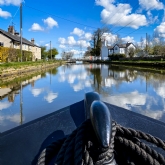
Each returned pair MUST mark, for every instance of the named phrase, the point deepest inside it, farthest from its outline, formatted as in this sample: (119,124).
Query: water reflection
(135,89)
(138,90)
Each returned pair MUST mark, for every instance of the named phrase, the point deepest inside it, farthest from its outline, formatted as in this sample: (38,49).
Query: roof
(120,46)
(17,38)
(110,47)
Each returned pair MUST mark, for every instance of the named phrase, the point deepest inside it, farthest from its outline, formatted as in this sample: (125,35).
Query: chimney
(32,40)
(11,30)
(16,33)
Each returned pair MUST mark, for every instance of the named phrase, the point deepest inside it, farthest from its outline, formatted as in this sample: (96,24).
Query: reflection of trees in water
(53,71)
(96,78)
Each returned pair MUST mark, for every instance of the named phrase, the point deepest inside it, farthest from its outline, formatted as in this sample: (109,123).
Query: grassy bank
(141,63)
(17,68)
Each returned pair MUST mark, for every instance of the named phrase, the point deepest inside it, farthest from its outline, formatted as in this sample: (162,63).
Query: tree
(43,52)
(131,52)
(54,52)
(67,55)
(96,41)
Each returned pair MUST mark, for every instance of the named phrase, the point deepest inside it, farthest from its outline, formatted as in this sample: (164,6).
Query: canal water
(135,89)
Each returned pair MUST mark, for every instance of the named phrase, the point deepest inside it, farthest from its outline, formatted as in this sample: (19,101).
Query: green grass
(16,65)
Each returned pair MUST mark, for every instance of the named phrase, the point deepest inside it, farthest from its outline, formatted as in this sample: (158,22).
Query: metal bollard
(89,98)
(102,124)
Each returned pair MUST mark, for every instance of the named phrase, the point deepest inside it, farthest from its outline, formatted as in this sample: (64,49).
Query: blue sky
(70,24)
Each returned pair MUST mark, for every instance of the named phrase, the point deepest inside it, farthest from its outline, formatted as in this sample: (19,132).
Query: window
(1,44)
(115,48)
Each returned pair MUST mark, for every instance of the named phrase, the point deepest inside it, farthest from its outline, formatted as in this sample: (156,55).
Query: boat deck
(21,145)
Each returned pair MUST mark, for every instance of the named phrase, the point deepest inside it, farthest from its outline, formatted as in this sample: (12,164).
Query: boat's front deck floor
(21,145)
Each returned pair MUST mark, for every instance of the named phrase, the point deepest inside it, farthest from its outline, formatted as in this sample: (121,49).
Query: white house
(116,49)
(11,39)
(104,50)
(121,48)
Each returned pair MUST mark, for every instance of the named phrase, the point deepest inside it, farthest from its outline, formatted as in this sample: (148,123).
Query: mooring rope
(81,147)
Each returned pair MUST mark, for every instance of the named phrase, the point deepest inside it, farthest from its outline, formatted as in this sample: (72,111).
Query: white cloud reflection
(5,105)
(127,100)
(78,87)
(160,90)
(16,118)
(50,97)
(37,91)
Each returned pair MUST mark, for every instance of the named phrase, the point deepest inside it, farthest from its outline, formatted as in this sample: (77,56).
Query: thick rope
(81,147)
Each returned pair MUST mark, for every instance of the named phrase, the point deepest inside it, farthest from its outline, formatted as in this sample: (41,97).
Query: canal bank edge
(13,73)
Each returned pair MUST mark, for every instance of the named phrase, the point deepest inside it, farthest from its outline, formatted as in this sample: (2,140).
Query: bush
(116,56)
(11,54)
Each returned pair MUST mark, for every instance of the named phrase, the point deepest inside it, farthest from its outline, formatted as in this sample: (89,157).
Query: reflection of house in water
(12,90)
(11,97)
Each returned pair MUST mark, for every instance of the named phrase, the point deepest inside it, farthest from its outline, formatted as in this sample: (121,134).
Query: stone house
(11,39)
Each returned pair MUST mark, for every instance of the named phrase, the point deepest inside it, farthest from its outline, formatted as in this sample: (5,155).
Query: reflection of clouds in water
(71,78)
(161,90)
(62,78)
(4,105)
(126,99)
(13,118)
(50,97)
(155,114)
(109,82)
(78,87)
(37,91)
(82,76)
(88,83)
(75,72)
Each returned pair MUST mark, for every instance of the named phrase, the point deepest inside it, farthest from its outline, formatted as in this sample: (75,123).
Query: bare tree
(96,40)
(67,55)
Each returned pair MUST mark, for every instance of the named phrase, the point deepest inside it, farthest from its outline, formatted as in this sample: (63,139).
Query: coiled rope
(81,147)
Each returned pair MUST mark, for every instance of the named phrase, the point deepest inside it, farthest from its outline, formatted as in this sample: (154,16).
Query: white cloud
(62,40)
(77,52)
(151,4)
(47,45)
(50,97)
(10,2)
(50,22)
(123,14)
(36,27)
(83,43)
(78,32)
(88,36)
(128,39)
(111,38)
(4,14)
(62,46)
(70,41)
(160,29)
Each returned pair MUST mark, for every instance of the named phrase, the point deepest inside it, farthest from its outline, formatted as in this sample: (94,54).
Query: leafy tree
(44,53)
(54,52)
(131,52)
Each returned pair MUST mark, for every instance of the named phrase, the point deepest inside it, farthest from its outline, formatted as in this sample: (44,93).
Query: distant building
(121,48)
(11,39)
(116,49)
